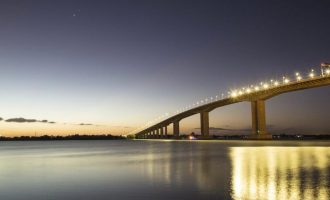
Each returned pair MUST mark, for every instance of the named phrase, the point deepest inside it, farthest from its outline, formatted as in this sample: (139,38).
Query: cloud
(46,121)
(220,130)
(125,127)
(216,129)
(83,124)
(23,120)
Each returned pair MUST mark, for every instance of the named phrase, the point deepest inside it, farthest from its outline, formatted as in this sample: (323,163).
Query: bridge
(257,95)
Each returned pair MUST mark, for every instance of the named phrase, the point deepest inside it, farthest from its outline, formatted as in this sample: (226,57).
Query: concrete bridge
(257,95)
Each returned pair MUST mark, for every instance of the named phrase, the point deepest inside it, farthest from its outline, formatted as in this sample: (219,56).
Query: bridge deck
(262,94)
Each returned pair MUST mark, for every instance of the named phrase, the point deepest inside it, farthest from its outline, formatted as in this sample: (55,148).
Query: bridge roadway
(257,99)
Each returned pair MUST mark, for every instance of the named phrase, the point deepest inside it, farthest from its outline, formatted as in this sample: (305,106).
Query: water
(164,170)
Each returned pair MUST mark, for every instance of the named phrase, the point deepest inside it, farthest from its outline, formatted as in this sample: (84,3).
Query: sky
(96,67)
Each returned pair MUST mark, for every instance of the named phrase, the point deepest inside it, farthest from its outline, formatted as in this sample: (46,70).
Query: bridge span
(257,95)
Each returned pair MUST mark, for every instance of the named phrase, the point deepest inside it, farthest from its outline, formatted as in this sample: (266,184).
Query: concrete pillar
(258,117)
(157,133)
(161,132)
(204,124)
(165,131)
(176,129)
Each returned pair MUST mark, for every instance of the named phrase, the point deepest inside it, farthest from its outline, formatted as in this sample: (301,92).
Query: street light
(327,72)
(311,74)
(298,77)
(265,86)
(233,94)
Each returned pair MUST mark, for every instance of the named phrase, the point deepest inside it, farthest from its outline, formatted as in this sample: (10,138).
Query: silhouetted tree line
(302,137)
(69,137)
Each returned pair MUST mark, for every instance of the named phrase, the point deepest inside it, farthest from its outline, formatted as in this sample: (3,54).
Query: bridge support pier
(176,129)
(161,132)
(157,133)
(204,115)
(165,131)
(259,120)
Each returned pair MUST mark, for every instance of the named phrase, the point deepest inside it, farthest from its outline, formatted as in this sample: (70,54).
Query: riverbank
(69,137)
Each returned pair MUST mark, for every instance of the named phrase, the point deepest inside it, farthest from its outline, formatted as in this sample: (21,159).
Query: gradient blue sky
(119,64)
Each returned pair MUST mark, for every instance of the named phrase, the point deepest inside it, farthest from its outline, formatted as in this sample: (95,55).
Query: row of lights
(201,102)
(273,83)
(233,94)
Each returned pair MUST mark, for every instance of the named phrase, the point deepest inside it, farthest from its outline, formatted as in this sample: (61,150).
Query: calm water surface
(164,170)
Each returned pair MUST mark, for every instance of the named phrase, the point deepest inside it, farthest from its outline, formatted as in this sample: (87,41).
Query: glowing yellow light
(234,94)
(265,85)
(286,80)
(248,90)
(299,78)
(276,83)
(327,71)
(191,137)
(256,88)
(311,75)
(240,92)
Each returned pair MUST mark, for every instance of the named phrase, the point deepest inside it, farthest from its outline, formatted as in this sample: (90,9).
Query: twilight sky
(110,66)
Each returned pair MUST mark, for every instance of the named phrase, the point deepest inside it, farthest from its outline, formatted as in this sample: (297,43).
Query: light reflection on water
(156,170)
(280,172)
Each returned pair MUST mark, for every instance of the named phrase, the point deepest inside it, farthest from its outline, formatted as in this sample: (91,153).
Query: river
(78,170)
